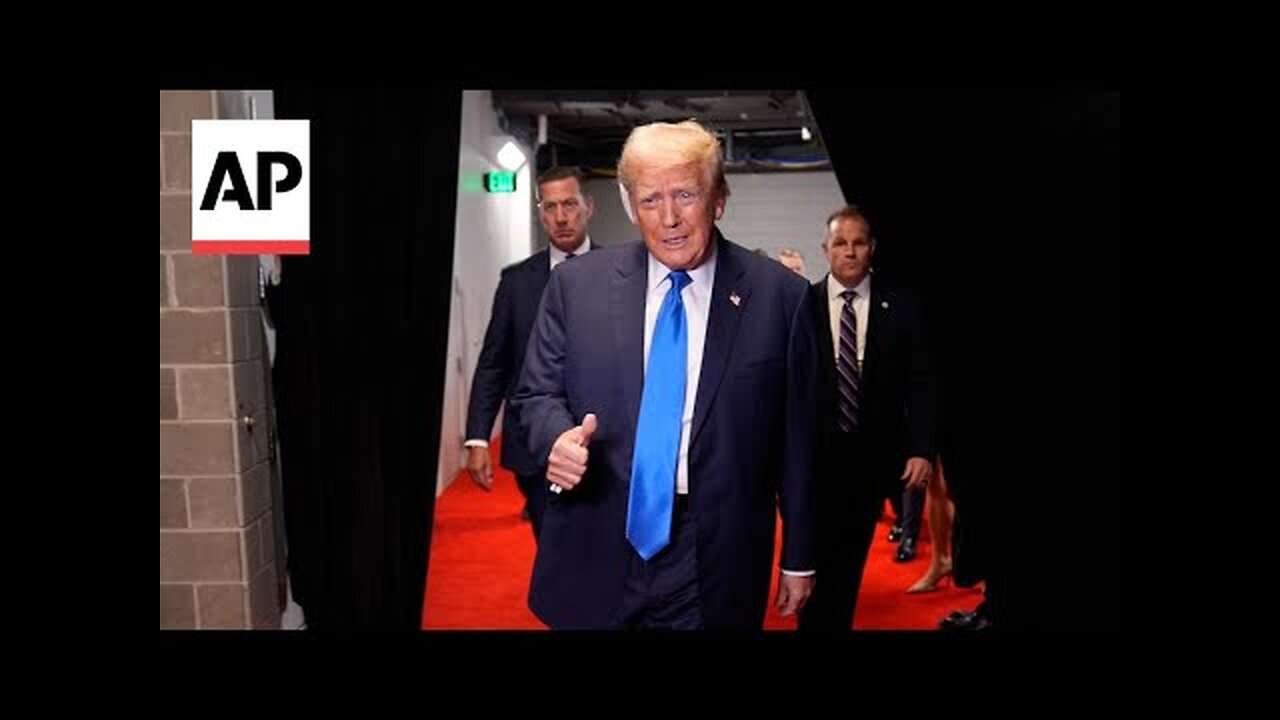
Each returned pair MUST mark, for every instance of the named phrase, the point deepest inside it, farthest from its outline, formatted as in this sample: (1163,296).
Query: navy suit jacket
(899,411)
(515,304)
(753,433)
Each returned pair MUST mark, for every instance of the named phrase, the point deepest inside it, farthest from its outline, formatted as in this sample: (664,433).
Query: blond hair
(673,144)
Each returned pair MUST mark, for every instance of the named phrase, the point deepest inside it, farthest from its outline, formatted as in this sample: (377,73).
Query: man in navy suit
(878,413)
(565,211)
(671,384)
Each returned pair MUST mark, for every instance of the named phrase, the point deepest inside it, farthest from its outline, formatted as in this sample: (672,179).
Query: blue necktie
(653,468)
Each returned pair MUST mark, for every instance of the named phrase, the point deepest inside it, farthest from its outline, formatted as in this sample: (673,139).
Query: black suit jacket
(515,305)
(899,408)
(752,444)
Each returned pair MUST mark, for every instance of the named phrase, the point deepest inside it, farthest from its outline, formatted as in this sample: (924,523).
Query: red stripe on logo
(251,247)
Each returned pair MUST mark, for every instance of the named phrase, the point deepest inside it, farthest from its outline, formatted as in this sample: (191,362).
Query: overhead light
(805,135)
(510,156)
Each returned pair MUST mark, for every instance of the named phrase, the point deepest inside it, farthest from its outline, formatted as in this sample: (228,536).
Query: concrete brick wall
(219,564)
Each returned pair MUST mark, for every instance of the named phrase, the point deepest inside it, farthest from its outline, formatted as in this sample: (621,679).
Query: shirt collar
(834,288)
(701,275)
(558,256)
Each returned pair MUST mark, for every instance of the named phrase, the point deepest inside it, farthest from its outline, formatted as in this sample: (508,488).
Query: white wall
(609,222)
(492,231)
(768,210)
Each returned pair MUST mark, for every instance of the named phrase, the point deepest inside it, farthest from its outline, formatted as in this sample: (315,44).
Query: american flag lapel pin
(733,298)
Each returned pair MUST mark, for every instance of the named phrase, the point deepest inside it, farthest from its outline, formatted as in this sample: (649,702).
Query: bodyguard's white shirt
(861,306)
(558,256)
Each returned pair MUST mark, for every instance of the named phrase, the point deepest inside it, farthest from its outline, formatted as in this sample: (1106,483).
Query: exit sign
(496,182)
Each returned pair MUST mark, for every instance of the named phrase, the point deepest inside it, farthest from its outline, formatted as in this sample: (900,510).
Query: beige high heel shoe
(931,578)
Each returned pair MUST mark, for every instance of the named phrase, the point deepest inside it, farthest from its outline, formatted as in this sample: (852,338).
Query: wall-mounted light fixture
(510,156)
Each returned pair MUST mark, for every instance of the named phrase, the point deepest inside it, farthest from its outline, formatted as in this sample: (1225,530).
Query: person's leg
(662,593)
(940,512)
(912,510)
(835,596)
(842,560)
(895,500)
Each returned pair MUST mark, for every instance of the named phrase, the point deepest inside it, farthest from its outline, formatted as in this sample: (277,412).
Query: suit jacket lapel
(626,312)
(877,325)
(542,271)
(723,320)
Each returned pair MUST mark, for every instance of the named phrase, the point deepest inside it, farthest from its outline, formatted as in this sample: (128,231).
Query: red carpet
(482,555)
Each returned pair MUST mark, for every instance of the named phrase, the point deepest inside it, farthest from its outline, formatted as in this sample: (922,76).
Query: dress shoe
(906,551)
(979,619)
(957,620)
(983,622)
(895,533)
(967,621)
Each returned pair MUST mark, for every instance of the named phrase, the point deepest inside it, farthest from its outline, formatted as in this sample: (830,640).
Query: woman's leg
(939,513)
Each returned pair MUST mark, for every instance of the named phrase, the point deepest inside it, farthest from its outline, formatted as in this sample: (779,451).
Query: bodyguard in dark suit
(672,385)
(565,212)
(877,413)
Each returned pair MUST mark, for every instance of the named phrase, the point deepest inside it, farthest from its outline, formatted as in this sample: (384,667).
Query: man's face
(676,209)
(564,212)
(848,248)
(793,263)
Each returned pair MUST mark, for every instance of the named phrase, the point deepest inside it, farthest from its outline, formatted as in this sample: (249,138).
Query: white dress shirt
(558,256)
(696,297)
(861,307)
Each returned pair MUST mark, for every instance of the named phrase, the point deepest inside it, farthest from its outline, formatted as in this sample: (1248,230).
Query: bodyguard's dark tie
(653,467)
(848,377)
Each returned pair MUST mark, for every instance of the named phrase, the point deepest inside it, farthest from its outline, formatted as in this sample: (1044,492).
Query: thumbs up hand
(568,460)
